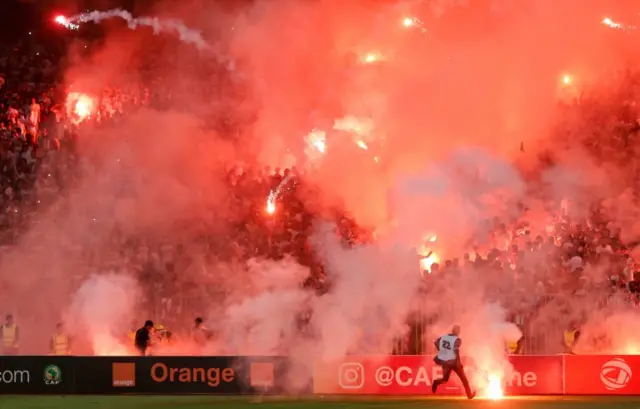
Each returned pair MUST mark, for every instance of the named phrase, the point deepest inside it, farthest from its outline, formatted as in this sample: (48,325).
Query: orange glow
(566,79)
(428,255)
(408,22)
(427,262)
(320,146)
(80,106)
(65,22)
(83,107)
(107,345)
(362,145)
(610,23)
(317,141)
(494,388)
(371,57)
(271,207)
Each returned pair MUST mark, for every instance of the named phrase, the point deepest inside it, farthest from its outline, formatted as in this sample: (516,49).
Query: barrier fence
(354,375)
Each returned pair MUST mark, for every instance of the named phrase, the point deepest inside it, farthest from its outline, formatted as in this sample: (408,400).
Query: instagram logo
(351,375)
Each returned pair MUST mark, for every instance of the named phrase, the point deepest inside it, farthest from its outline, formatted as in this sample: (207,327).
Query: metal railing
(542,327)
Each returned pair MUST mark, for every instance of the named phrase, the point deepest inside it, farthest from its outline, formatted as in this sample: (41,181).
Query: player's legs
(465,382)
(446,373)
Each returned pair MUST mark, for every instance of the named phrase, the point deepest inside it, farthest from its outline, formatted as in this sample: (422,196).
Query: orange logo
(161,372)
(261,374)
(124,374)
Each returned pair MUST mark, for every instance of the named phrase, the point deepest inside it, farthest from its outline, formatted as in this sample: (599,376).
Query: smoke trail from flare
(185,34)
(614,24)
(101,308)
(273,195)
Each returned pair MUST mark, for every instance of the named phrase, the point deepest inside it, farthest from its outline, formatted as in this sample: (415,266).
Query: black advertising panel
(259,375)
(142,375)
(189,375)
(94,375)
(37,375)
(176,375)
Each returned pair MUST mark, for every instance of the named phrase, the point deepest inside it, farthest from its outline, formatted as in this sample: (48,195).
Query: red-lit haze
(469,89)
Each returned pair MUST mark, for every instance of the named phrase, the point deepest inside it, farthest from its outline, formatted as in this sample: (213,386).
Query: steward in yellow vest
(10,336)
(130,336)
(161,334)
(571,336)
(514,347)
(60,341)
(164,336)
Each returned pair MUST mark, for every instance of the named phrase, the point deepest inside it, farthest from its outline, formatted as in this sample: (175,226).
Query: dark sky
(18,17)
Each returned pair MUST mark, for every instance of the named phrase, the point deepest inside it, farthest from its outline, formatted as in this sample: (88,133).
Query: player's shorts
(452,363)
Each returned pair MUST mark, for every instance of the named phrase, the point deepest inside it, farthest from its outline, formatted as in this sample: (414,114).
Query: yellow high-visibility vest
(9,335)
(60,344)
(570,337)
(132,337)
(512,346)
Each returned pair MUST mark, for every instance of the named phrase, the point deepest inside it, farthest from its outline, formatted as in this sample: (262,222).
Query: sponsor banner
(535,375)
(602,374)
(381,375)
(179,375)
(414,375)
(36,375)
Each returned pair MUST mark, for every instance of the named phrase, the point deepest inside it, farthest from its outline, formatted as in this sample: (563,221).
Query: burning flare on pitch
(494,390)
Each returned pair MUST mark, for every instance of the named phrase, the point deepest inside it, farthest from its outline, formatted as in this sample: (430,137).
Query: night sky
(19,17)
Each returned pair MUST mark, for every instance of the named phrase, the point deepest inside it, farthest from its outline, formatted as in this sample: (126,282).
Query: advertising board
(602,374)
(176,375)
(36,375)
(414,375)
(356,375)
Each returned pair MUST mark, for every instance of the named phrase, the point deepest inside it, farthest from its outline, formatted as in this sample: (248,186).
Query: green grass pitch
(208,402)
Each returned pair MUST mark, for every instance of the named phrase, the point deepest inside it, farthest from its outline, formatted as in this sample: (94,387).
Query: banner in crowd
(414,375)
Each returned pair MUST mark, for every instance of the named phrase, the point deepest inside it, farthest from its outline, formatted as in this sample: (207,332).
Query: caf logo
(52,375)
(615,374)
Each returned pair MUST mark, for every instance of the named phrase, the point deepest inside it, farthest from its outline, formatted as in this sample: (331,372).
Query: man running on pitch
(448,358)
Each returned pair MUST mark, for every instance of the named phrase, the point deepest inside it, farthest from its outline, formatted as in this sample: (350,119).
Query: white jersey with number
(446,347)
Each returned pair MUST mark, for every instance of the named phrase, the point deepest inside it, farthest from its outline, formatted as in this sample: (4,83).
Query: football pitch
(208,402)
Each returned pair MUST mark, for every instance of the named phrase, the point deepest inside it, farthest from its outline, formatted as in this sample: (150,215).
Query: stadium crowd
(38,161)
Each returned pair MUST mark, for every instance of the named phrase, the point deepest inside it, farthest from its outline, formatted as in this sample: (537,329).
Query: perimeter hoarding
(178,375)
(363,375)
(602,374)
(37,375)
(414,375)
(142,375)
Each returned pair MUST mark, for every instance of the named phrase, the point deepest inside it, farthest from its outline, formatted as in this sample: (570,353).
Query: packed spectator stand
(39,161)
